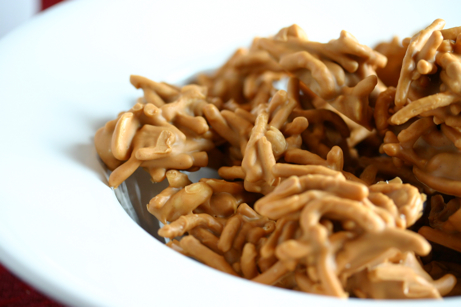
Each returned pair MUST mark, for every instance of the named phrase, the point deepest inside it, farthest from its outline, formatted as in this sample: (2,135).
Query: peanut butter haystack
(324,182)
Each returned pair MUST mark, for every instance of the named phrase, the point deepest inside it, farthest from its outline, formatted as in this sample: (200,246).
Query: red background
(13,291)
(47,3)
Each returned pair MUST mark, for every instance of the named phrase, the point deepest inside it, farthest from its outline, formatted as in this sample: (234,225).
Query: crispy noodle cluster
(323,183)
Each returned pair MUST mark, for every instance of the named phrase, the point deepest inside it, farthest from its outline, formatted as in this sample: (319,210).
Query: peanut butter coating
(324,183)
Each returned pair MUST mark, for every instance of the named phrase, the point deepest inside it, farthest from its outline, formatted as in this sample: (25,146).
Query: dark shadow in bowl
(134,194)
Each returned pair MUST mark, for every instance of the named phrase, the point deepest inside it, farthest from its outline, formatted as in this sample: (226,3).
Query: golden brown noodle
(321,181)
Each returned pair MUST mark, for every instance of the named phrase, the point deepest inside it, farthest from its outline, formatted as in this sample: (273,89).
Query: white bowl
(66,72)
